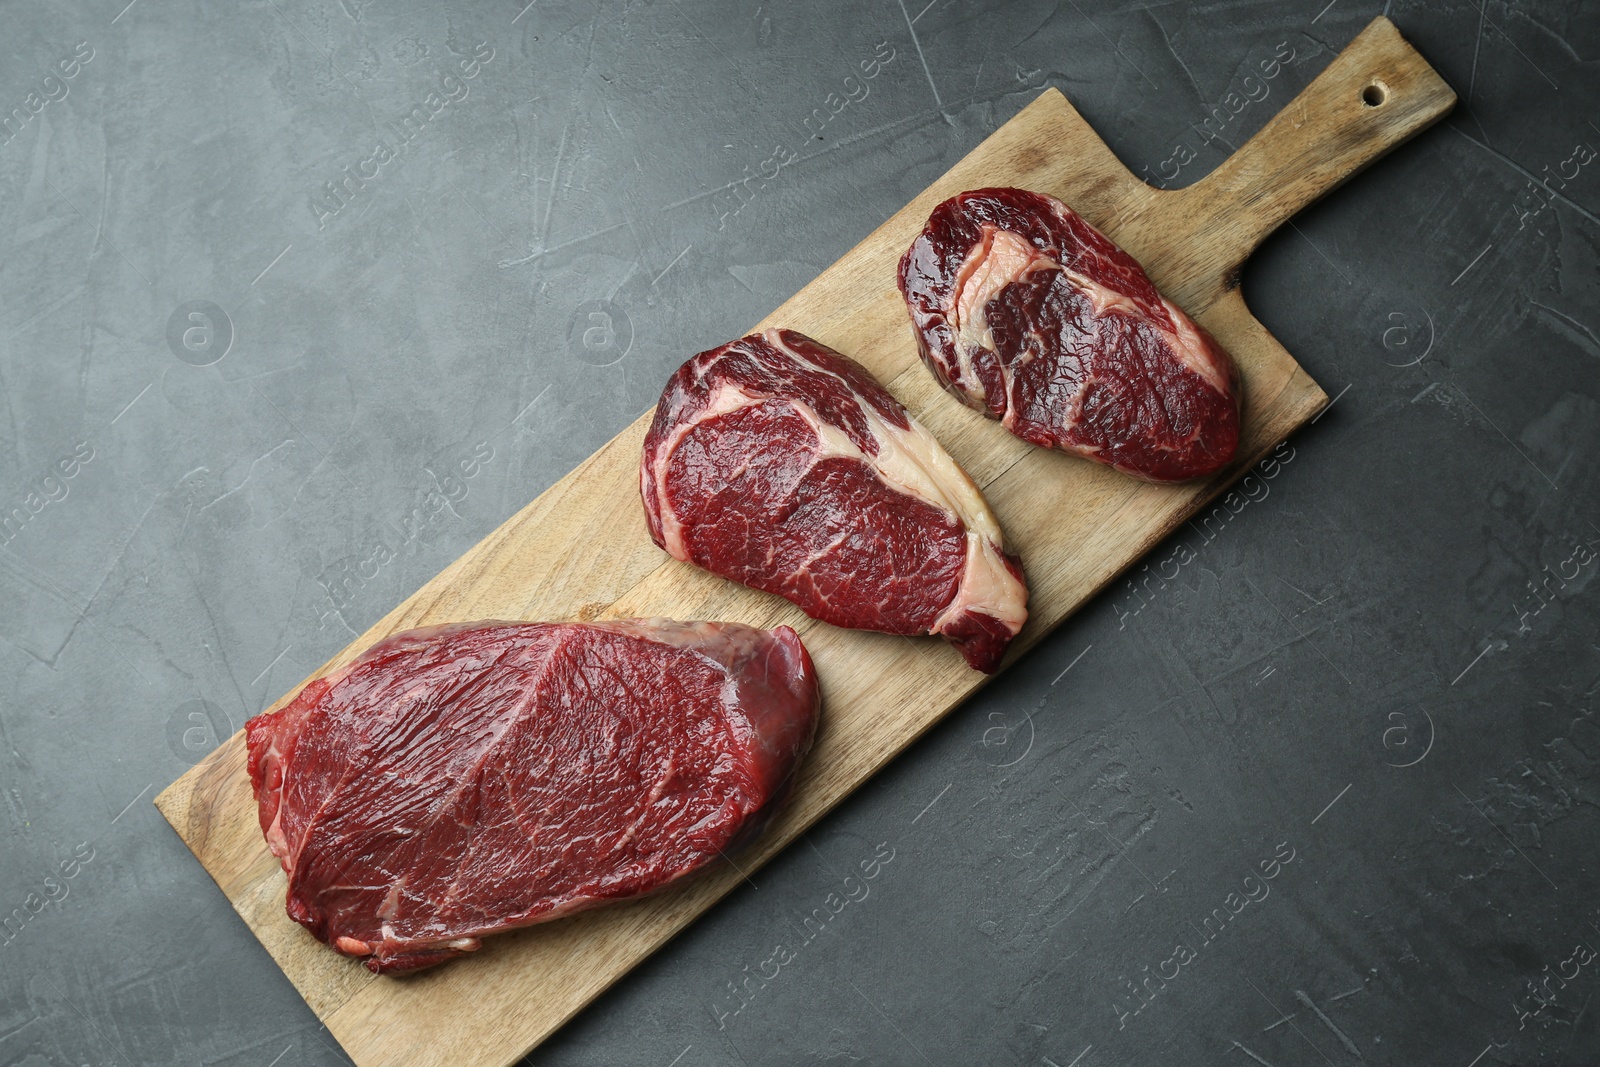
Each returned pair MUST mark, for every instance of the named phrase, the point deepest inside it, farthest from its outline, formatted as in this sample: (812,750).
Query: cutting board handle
(1375,94)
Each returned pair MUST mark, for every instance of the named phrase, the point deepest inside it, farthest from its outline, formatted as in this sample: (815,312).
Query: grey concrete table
(298,300)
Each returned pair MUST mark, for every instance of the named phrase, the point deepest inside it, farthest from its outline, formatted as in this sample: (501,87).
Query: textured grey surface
(1384,660)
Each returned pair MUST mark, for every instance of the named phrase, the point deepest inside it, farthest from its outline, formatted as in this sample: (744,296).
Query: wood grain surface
(581,551)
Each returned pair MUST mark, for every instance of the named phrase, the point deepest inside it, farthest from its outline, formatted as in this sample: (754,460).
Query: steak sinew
(461,780)
(782,464)
(1034,317)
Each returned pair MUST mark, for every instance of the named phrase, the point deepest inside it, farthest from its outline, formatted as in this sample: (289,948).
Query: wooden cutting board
(580,551)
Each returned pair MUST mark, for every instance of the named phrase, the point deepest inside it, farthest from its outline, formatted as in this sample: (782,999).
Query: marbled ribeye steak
(1031,315)
(780,463)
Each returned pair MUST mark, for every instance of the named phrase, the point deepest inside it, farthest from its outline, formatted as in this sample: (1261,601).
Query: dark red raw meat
(461,780)
(782,464)
(1034,317)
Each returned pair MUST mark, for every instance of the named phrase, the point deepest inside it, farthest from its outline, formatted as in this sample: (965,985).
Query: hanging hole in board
(1375,94)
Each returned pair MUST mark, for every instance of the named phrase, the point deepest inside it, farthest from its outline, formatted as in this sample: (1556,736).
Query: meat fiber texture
(782,464)
(462,780)
(1034,317)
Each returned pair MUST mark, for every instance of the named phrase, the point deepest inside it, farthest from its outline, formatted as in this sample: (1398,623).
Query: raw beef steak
(461,780)
(1031,315)
(780,463)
